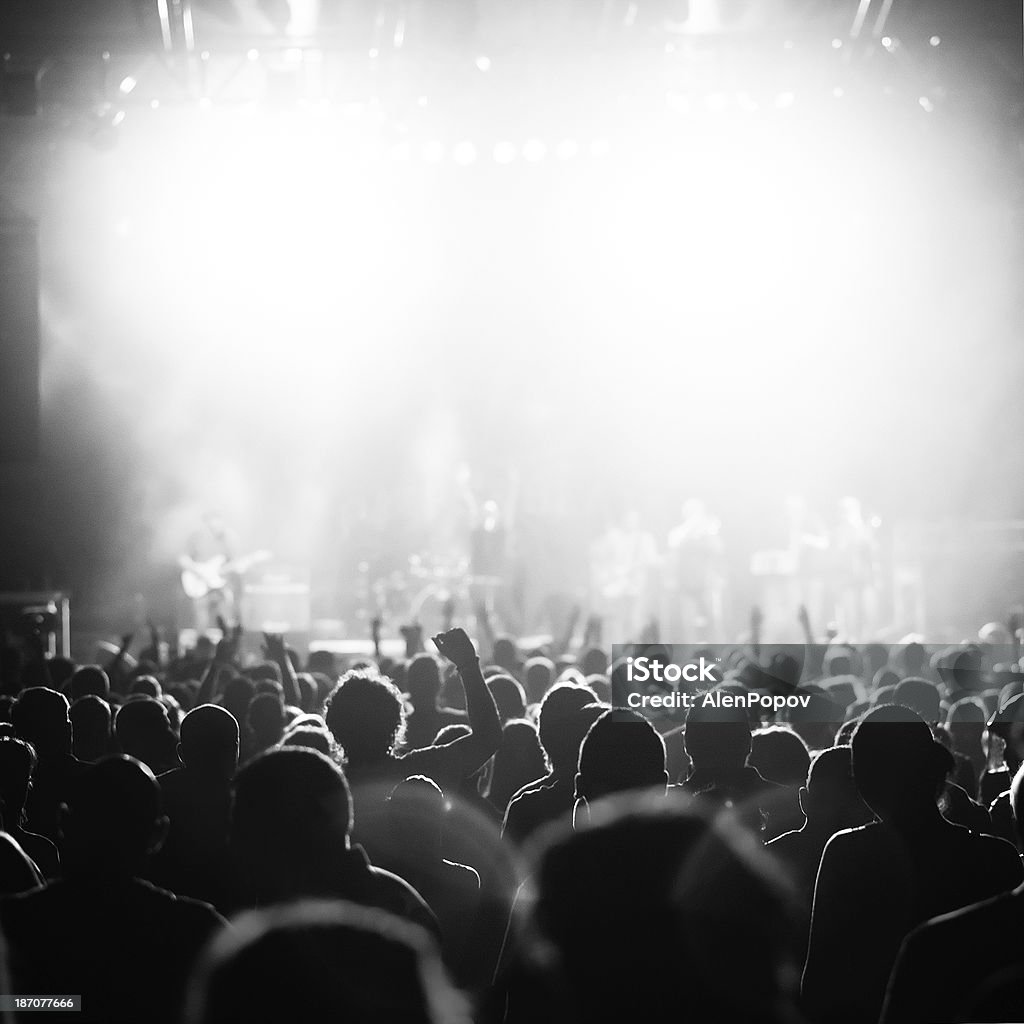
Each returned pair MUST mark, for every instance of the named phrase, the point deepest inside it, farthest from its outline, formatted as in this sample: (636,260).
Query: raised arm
(275,650)
(223,658)
(461,757)
(115,667)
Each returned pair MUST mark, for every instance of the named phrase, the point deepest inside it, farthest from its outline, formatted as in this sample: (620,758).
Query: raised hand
(227,646)
(804,618)
(456,646)
(413,635)
(274,647)
(152,652)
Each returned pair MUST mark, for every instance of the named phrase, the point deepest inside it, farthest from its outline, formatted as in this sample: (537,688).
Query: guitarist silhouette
(212,571)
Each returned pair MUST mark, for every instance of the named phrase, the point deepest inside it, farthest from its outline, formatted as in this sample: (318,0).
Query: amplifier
(42,613)
(275,599)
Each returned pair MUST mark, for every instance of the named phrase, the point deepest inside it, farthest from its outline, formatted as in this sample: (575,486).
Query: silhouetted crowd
(478,834)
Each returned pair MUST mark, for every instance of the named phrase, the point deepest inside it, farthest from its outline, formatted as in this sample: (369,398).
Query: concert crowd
(482,831)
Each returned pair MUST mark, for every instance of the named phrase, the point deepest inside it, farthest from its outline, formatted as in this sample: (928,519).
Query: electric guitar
(201,578)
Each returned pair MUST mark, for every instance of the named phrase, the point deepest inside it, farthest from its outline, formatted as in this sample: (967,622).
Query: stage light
(483,63)
(837,44)
(127,84)
(285,238)
(934,41)
(154,104)
(926,104)
(887,42)
(253,54)
(504,153)
(374,53)
(205,103)
(837,92)
(785,100)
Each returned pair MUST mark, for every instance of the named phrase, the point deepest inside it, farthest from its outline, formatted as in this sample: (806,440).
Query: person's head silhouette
(91,724)
(563,722)
(366,715)
(147,686)
(265,720)
(897,766)
(291,823)
(674,899)
(144,732)
(17,763)
(40,716)
(780,755)
(506,654)
(209,741)
(622,751)
(508,695)
(518,761)
(416,811)
(423,680)
(717,740)
(238,692)
(320,960)
(89,679)
(312,736)
(920,696)
(112,819)
(538,675)
(830,798)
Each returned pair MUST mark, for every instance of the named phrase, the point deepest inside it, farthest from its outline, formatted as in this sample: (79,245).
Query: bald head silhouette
(209,741)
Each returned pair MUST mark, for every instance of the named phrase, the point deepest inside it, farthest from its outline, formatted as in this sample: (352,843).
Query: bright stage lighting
(295,279)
